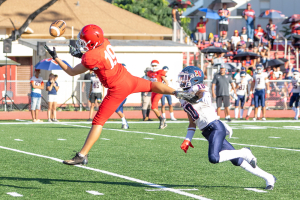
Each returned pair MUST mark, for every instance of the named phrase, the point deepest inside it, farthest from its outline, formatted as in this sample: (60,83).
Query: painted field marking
(234,138)
(171,136)
(14,194)
(274,137)
(94,192)
(61,139)
(21,120)
(148,138)
(155,190)
(104,139)
(256,190)
(113,174)
(151,122)
(19,140)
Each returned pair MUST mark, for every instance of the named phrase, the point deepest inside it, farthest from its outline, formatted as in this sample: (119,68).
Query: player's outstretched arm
(189,136)
(78,69)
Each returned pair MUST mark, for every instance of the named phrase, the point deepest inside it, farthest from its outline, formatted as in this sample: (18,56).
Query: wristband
(190,133)
(268,91)
(251,92)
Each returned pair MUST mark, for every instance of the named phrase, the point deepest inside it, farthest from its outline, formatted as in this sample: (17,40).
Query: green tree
(154,10)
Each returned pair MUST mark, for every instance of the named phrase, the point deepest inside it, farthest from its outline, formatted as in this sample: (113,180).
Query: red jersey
(247,63)
(249,13)
(156,76)
(259,33)
(295,25)
(201,25)
(102,60)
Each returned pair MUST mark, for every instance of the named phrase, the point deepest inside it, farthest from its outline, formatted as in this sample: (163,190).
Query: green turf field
(123,164)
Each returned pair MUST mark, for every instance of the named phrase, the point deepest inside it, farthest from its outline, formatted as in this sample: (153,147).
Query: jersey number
(258,80)
(96,85)
(242,87)
(191,111)
(110,55)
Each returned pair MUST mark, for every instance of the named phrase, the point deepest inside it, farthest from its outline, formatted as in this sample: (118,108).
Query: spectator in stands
(86,86)
(242,42)
(218,60)
(216,41)
(293,26)
(265,57)
(211,39)
(277,72)
(176,14)
(244,34)
(201,27)
(146,99)
(258,35)
(248,63)
(249,16)
(225,41)
(221,81)
(37,85)
(271,33)
(224,13)
(235,39)
(289,71)
(250,44)
(52,88)
(269,71)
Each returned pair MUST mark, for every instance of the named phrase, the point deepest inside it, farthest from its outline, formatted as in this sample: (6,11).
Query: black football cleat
(77,160)
(271,187)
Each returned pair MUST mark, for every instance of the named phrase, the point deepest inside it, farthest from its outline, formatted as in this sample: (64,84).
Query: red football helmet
(90,37)
(154,65)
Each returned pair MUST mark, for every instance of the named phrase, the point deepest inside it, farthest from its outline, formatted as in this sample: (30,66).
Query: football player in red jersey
(157,75)
(100,58)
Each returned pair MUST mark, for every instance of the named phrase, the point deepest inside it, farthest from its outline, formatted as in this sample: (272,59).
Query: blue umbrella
(272,14)
(49,64)
(210,14)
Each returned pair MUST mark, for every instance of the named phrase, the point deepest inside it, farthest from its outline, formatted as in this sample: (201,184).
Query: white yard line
(94,192)
(14,194)
(150,122)
(113,174)
(172,136)
(156,190)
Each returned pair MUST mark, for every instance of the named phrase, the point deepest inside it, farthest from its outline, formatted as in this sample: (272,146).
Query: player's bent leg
(161,88)
(227,146)
(269,178)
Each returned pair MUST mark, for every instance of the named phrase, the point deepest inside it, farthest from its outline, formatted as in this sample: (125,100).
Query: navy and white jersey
(203,112)
(296,85)
(260,80)
(242,87)
(237,78)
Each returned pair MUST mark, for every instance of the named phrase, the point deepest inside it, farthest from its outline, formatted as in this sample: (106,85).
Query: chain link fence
(74,96)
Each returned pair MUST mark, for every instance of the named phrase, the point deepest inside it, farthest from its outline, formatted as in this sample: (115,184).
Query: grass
(159,161)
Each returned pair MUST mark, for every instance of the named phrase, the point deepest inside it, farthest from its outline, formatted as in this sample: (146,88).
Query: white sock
(258,172)
(297,113)
(80,155)
(236,113)
(226,155)
(227,117)
(249,111)
(124,120)
(294,109)
(163,115)
(172,115)
(241,113)
(258,112)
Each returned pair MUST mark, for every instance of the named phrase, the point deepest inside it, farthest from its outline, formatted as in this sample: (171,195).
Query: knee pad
(214,159)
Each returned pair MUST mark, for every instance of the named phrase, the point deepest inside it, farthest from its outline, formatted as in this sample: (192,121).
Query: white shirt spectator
(235,40)
(36,81)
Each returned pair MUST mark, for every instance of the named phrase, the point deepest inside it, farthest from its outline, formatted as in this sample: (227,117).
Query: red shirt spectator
(259,32)
(201,26)
(293,26)
(249,13)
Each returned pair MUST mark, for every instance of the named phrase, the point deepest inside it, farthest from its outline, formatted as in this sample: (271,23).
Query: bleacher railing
(279,96)
(179,35)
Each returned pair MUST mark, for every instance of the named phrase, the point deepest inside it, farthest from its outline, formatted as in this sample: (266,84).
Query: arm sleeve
(214,81)
(48,84)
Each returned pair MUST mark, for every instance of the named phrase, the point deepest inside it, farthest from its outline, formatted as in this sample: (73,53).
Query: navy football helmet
(165,68)
(190,76)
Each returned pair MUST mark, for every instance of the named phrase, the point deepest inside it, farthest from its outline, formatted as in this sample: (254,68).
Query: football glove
(186,96)
(75,52)
(185,145)
(53,53)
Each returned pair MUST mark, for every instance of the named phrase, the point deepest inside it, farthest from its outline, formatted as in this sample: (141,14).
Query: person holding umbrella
(249,15)
(271,33)
(224,13)
(201,27)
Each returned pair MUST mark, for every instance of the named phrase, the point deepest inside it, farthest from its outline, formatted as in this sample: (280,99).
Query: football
(57,28)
